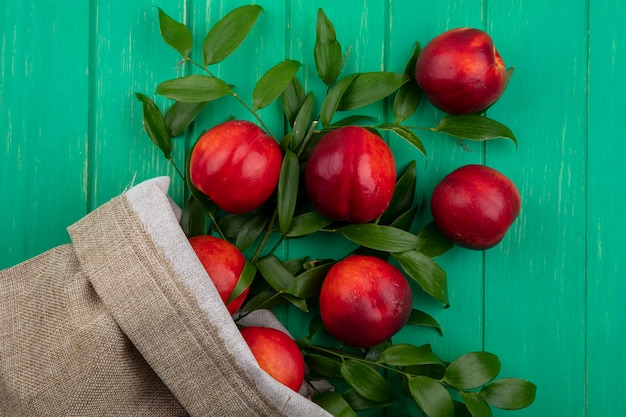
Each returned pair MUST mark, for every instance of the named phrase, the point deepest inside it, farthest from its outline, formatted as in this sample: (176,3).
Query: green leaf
(302,123)
(472,370)
(432,397)
(403,195)
(287,190)
(420,318)
(267,299)
(510,393)
(194,88)
(231,224)
(193,218)
(369,87)
(326,366)
(273,83)
(425,272)
(175,34)
(332,99)
(334,403)
(275,272)
(474,127)
(431,242)
(308,283)
(406,134)
(228,33)
(405,220)
(409,94)
(360,403)
(327,51)
(407,355)
(154,125)
(379,237)
(251,230)
(365,380)
(245,279)
(307,223)
(357,119)
(292,99)
(476,404)
(180,115)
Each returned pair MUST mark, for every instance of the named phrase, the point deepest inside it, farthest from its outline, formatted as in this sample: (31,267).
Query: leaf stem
(176,168)
(266,236)
(237,97)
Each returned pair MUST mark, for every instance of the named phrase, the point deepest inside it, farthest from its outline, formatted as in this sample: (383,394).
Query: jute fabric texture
(124,321)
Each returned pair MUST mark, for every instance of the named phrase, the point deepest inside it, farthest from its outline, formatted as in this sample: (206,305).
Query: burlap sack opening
(124,321)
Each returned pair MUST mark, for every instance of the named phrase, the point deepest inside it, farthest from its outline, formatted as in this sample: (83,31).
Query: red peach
(224,263)
(461,72)
(237,165)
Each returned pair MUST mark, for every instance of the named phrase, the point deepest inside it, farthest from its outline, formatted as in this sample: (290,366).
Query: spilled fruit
(277,354)
(236,164)
(474,206)
(224,263)
(350,175)
(461,72)
(364,300)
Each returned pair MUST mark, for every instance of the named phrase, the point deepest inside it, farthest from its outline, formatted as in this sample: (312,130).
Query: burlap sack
(124,321)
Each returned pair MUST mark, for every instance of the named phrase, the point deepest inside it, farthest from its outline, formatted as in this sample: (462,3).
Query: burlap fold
(124,321)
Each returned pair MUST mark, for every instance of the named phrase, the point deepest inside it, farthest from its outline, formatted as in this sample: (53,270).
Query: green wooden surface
(549,300)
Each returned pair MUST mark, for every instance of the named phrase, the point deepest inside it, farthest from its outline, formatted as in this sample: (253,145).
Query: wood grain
(548,300)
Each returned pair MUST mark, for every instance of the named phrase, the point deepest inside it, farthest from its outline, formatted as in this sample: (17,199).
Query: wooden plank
(535,279)
(43,125)
(129,56)
(606,225)
(462,322)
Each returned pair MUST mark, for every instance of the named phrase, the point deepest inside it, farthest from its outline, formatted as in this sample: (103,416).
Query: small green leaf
(357,119)
(326,366)
(510,393)
(472,370)
(194,88)
(334,403)
(403,195)
(228,33)
(407,355)
(365,380)
(251,230)
(369,87)
(193,218)
(432,397)
(266,299)
(180,115)
(307,223)
(231,224)
(327,51)
(476,405)
(425,272)
(154,125)
(431,242)
(409,94)
(331,102)
(474,127)
(379,237)
(292,99)
(420,318)
(302,123)
(275,272)
(406,134)
(245,279)
(308,283)
(360,403)
(287,190)
(273,83)
(175,34)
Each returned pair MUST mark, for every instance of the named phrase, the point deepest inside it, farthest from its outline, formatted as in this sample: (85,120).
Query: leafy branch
(288,215)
